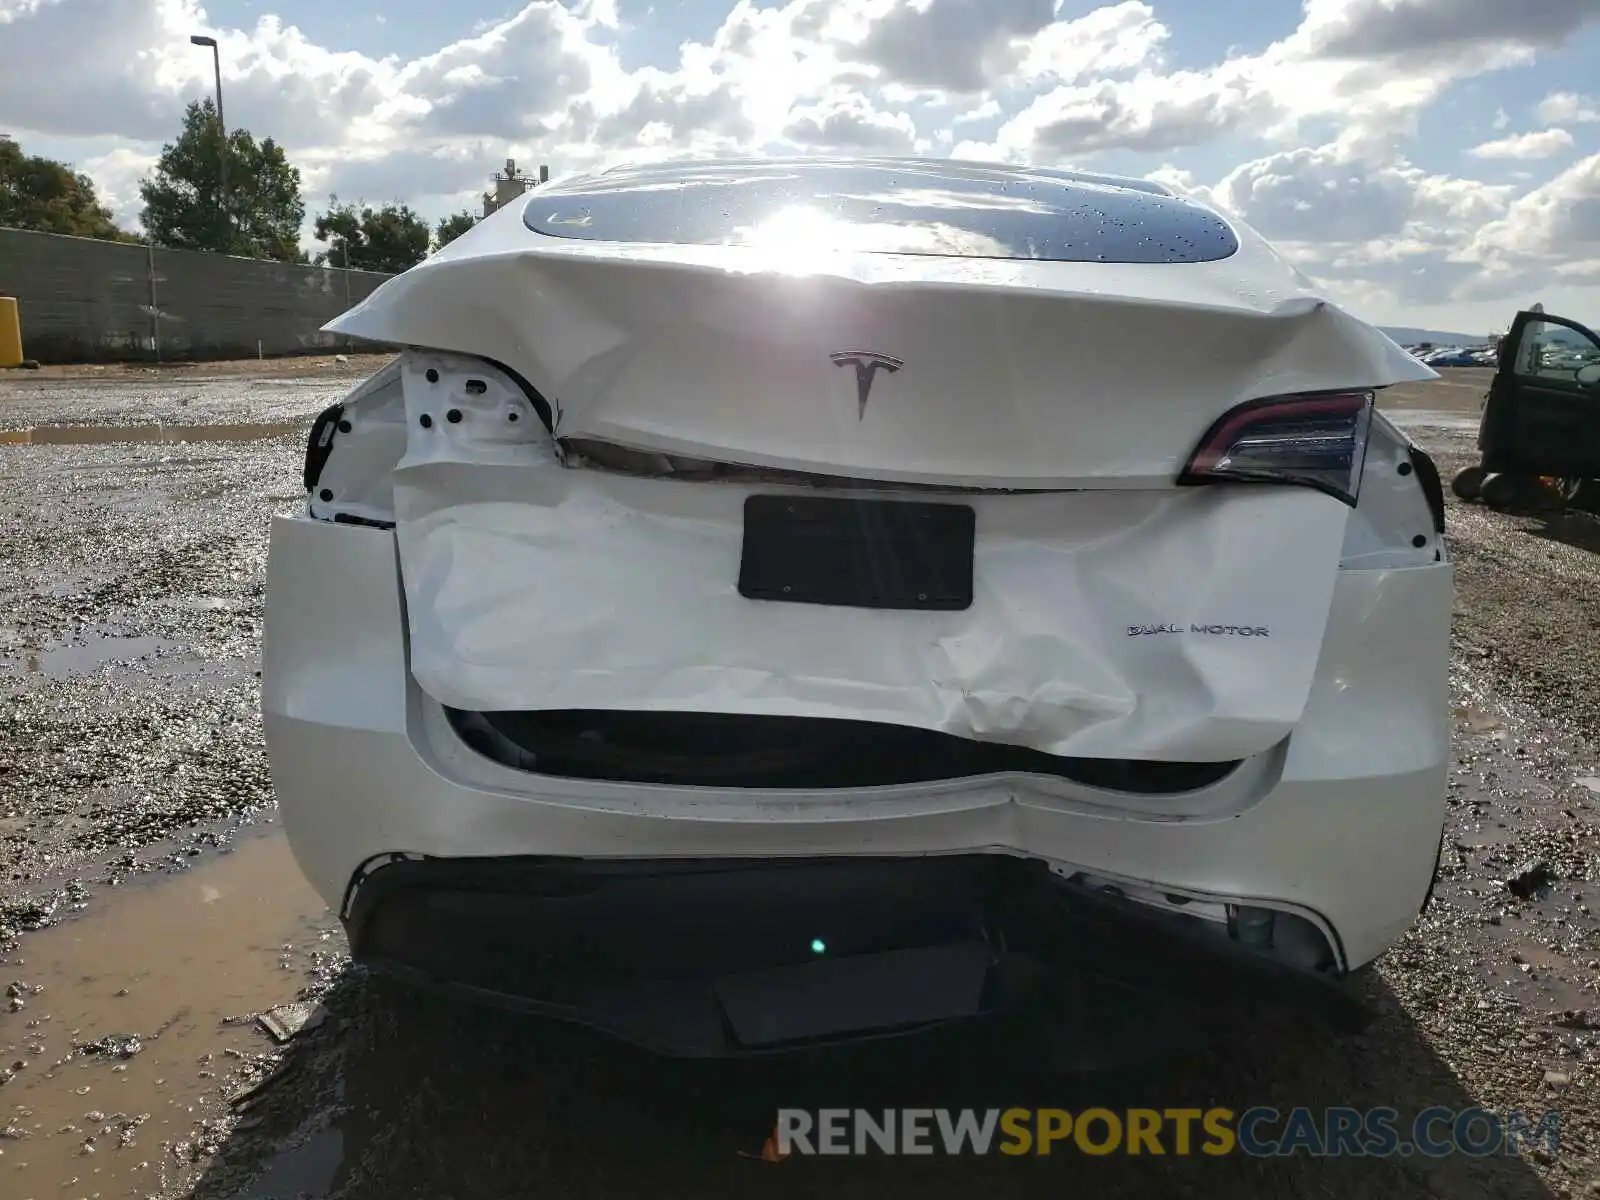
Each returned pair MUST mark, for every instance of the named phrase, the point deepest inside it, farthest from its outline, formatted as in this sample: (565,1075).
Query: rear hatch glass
(889,208)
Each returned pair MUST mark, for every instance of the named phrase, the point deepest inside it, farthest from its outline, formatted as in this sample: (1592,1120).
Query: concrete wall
(90,301)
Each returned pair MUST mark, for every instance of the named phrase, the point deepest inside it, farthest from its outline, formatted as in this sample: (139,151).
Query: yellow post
(10,333)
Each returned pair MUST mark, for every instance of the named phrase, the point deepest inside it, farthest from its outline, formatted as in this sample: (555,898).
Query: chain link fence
(83,300)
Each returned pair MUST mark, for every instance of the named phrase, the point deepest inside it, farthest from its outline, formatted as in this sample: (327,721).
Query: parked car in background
(1456,356)
(765,604)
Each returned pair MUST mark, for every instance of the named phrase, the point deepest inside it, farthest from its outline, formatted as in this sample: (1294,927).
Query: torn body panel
(351,476)
(1012,372)
(1396,522)
(370,427)
(1099,625)
(1157,624)
(1356,793)
(792,753)
(543,575)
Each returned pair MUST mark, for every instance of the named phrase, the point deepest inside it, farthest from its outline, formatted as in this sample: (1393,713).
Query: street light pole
(347,286)
(222,124)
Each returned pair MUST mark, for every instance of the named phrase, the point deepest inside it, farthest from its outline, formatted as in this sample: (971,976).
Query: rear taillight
(1315,439)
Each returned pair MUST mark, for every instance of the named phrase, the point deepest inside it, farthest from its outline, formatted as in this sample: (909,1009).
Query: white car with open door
(765,602)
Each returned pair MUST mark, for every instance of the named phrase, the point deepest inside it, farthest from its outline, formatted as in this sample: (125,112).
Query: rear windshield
(916,208)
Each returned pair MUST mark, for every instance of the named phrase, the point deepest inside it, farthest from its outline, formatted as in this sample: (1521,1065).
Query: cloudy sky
(1434,162)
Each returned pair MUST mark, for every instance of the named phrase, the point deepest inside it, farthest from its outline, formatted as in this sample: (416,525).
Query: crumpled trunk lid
(1181,624)
(1113,615)
(991,373)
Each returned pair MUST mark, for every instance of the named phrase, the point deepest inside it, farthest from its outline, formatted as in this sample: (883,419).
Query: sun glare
(793,239)
(799,240)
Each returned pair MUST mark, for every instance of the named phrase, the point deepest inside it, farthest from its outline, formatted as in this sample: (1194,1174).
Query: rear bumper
(1340,826)
(736,957)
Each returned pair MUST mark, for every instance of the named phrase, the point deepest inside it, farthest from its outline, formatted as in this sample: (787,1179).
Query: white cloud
(15,10)
(1545,144)
(1369,226)
(1119,37)
(545,73)
(1182,182)
(1376,28)
(986,152)
(505,80)
(1320,195)
(847,120)
(1372,65)
(412,176)
(1464,204)
(1568,108)
(1003,80)
(1560,220)
(707,115)
(1148,112)
(987,111)
(951,45)
(1548,237)
(117,175)
(121,55)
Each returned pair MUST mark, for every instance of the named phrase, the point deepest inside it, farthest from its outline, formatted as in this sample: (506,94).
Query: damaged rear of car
(775,602)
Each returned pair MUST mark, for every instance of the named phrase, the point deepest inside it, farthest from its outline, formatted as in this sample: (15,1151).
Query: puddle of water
(198,603)
(189,675)
(169,961)
(1481,836)
(88,435)
(1547,979)
(61,661)
(1427,418)
(1475,720)
(151,661)
(65,585)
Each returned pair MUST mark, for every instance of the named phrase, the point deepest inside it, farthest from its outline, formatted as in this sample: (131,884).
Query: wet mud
(128,1029)
(157,432)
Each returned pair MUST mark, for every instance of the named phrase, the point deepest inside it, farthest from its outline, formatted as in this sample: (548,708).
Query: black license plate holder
(892,554)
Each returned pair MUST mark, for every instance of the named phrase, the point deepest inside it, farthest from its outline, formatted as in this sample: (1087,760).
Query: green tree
(49,197)
(450,228)
(183,202)
(390,239)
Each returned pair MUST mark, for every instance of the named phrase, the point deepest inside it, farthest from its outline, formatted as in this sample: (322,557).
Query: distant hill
(1407,336)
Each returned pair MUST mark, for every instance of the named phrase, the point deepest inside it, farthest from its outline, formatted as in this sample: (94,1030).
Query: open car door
(1543,411)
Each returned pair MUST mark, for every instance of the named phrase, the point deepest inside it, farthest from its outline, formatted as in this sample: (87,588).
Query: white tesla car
(779,601)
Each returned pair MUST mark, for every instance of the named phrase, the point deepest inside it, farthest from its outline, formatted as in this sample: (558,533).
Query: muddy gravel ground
(150,913)
(236,393)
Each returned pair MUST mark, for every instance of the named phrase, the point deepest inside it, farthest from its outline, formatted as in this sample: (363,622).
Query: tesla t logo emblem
(867,364)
